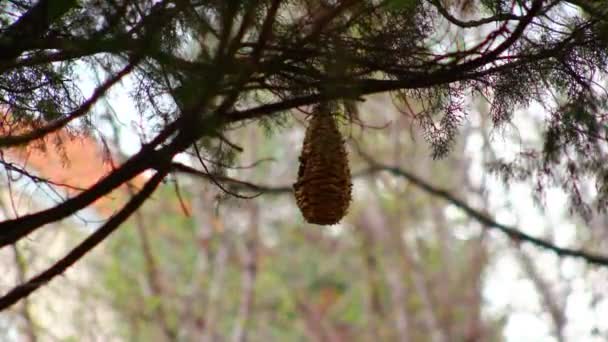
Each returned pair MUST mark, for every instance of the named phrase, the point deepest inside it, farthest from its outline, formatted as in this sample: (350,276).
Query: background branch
(512,232)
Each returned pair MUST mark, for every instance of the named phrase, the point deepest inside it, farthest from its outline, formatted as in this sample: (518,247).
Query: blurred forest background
(407,263)
(430,249)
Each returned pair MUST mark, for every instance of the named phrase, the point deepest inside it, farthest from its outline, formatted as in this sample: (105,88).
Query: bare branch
(512,232)
(15,229)
(84,247)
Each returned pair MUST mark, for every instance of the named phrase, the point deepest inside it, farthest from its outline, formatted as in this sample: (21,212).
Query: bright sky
(507,287)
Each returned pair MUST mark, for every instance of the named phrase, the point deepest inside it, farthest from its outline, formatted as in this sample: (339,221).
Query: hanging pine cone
(323,189)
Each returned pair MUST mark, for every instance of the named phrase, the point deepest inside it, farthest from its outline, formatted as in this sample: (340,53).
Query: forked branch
(23,290)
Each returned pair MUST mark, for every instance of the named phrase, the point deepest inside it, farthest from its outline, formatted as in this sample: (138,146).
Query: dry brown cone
(323,189)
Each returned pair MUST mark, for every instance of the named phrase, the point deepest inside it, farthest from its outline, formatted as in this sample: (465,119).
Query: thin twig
(512,232)
(215,180)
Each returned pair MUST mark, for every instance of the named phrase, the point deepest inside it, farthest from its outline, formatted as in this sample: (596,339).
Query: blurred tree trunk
(249,256)
(30,330)
(373,221)
(374,307)
(214,291)
(211,262)
(436,331)
(248,275)
(154,279)
(555,306)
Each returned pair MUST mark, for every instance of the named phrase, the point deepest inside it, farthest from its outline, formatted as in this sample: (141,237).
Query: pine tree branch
(472,23)
(15,229)
(38,133)
(25,289)
(32,25)
(66,48)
